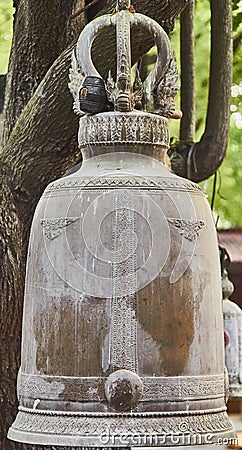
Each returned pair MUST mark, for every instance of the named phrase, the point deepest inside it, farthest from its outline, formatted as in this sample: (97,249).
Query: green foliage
(202,55)
(6,24)
(237,35)
(237,15)
(228,199)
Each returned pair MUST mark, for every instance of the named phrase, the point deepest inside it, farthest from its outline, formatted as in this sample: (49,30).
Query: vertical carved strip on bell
(124,284)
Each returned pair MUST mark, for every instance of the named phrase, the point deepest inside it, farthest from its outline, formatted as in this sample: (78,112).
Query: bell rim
(206,427)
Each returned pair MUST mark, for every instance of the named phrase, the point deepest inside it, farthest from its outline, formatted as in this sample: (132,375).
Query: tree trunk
(206,156)
(41,32)
(11,275)
(39,145)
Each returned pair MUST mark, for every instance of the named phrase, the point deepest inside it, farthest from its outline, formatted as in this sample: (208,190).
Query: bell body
(123,329)
(233,346)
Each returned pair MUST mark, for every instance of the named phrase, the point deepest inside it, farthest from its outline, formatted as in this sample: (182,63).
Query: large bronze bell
(123,328)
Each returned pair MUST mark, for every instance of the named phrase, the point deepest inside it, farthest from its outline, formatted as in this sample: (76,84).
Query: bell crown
(92,94)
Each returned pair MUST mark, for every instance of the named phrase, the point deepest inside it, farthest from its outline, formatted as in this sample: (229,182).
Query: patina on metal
(232,330)
(122,333)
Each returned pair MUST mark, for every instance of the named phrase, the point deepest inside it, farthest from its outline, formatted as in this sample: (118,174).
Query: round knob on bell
(123,390)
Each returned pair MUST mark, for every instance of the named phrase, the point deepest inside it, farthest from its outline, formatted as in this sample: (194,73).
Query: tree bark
(11,276)
(2,91)
(207,155)
(42,30)
(39,145)
(29,175)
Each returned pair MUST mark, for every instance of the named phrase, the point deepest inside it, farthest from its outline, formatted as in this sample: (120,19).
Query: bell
(232,331)
(122,341)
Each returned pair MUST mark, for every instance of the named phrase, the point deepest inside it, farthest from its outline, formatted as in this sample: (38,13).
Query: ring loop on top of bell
(122,340)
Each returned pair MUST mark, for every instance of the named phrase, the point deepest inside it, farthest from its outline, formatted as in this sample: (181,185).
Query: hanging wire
(220,186)
(191,157)
(214,190)
(216,223)
(213,198)
(85,8)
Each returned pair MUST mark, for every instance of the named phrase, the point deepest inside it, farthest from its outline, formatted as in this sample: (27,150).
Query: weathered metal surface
(122,333)
(232,331)
(160,87)
(233,346)
(118,278)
